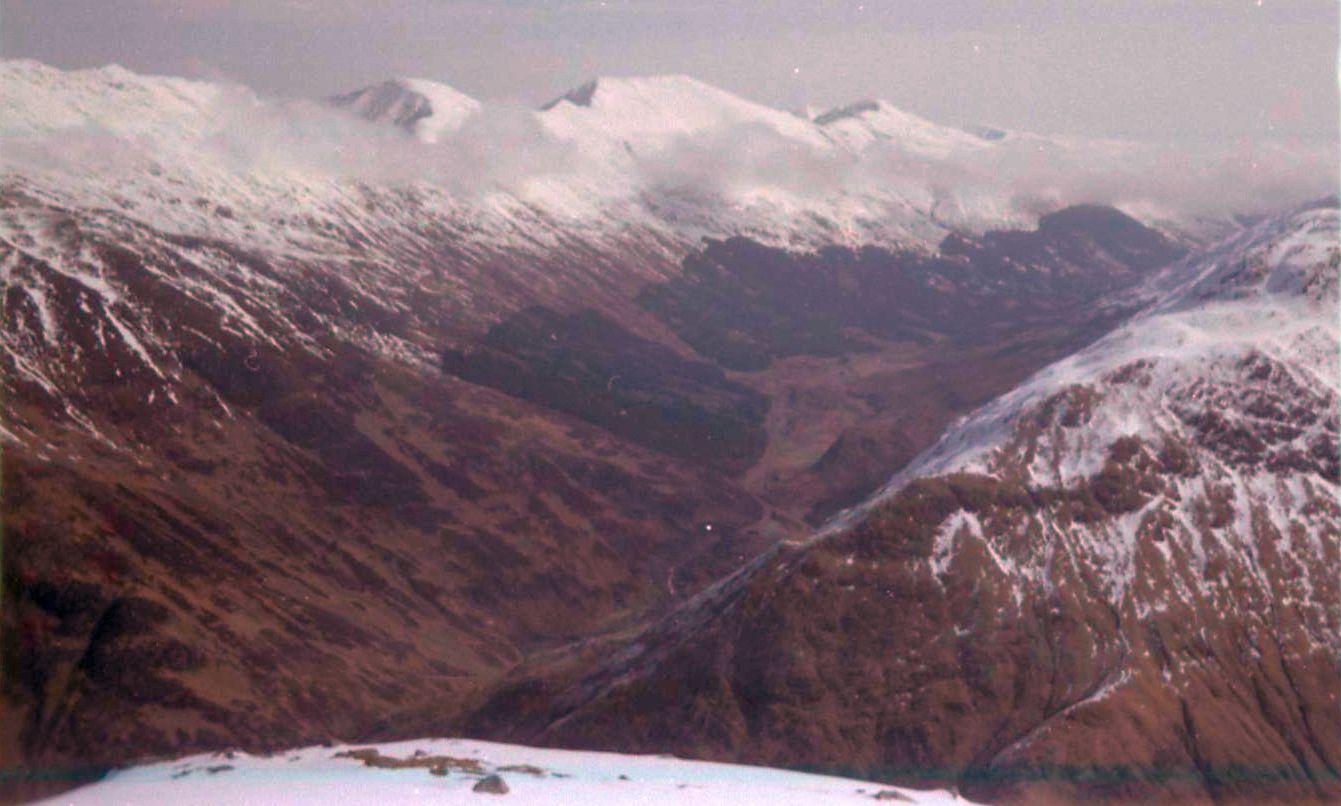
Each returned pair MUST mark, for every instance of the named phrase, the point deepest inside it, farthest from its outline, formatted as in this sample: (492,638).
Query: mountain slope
(1115,581)
(298,405)
(284,439)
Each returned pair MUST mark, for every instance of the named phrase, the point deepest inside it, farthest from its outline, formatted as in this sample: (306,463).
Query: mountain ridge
(672,161)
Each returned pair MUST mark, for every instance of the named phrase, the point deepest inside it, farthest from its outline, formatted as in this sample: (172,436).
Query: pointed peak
(578,96)
(403,86)
(420,106)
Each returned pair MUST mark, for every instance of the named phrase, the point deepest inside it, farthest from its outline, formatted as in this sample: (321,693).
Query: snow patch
(534,777)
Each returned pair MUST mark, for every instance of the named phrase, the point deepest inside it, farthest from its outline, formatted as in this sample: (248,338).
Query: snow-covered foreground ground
(320,775)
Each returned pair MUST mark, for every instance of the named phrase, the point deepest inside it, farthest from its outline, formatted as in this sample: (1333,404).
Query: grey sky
(1259,69)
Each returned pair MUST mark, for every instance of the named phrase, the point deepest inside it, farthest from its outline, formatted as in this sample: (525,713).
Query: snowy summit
(426,109)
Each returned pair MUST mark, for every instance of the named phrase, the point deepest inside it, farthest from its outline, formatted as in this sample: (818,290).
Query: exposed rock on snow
(427,109)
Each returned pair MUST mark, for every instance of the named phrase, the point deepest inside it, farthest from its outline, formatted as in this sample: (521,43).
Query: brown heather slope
(256,499)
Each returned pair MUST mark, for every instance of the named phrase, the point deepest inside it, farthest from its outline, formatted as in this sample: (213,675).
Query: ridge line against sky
(1152,69)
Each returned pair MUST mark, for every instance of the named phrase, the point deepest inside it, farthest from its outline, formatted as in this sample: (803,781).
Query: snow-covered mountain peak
(425,108)
(36,99)
(659,109)
(577,96)
(863,123)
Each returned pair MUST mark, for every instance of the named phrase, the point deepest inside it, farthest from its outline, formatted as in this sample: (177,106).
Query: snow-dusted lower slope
(450,771)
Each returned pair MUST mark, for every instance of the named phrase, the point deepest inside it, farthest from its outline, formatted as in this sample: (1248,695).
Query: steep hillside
(1116,581)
